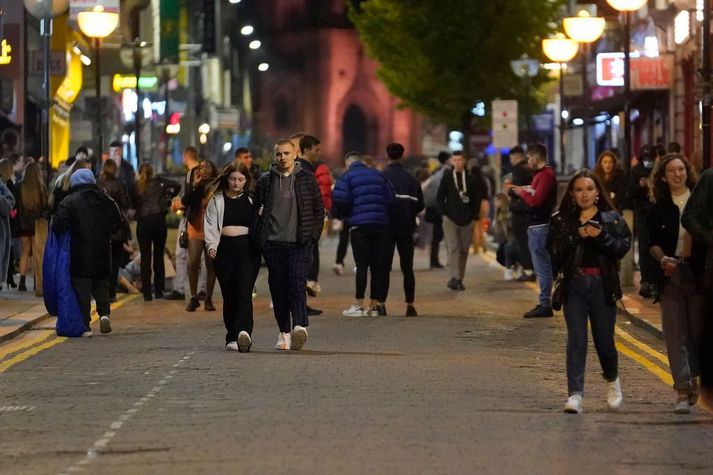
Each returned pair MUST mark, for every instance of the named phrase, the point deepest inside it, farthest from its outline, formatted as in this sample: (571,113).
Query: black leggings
(236,266)
(343,243)
(369,247)
(404,244)
(151,233)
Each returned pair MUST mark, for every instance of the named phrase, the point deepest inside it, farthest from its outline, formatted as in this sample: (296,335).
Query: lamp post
(585,29)
(706,72)
(526,68)
(626,7)
(45,10)
(560,49)
(98,24)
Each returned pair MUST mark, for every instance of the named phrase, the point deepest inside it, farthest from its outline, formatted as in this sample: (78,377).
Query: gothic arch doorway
(355,130)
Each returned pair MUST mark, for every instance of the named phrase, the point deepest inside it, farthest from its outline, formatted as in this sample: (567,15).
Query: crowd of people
(237,217)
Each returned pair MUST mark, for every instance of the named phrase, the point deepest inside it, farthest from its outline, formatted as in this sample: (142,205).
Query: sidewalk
(642,312)
(19,311)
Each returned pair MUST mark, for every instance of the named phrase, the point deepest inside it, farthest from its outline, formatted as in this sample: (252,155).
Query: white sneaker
(682,405)
(87,333)
(254,292)
(507,275)
(104,324)
(354,311)
(614,395)
(244,342)
(371,312)
(298,337)
(338,269)
(573,404)
(231,346)
(283,341)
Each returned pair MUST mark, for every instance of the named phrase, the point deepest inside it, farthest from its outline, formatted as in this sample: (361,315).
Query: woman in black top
(586,241)
(151,197)
(608,170)
(227,225)
(682,260)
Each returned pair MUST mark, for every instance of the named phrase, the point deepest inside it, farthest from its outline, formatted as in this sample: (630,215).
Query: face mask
(648,163)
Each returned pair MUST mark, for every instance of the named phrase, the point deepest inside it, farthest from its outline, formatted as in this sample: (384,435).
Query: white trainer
(231,346)
(283,341)
(573,404)
(354,311)
(298,338)
(507,275)
(104,324)
(87,333)
(244,342)
(614,394)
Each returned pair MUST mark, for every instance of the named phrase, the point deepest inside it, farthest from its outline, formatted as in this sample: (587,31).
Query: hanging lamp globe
(559,48)
(584,28)
(46,8)
(97,23)
(627,5)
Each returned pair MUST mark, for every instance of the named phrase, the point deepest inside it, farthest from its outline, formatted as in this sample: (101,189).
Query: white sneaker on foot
(231,346)
(283,341)
(104,324)
(507,275)
(87,333)
(354,311)
(298,337)
(614,394)
(244,342)
(573,404)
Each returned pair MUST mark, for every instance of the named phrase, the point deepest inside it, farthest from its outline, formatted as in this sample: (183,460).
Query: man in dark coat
(91,215)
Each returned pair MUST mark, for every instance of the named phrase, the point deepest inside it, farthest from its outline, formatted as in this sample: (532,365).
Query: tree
(440,57)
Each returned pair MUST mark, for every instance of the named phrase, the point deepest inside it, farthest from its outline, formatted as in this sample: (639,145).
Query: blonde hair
(5,170)
(33,190)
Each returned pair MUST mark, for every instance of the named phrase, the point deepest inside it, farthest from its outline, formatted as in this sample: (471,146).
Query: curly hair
(569,209)
(658,188)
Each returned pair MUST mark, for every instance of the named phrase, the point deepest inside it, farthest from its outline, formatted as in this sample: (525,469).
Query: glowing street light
(247,30)
(262,67)
(255,44)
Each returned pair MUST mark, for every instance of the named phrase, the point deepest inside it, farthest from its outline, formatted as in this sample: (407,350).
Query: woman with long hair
(586,241)
(32,207)
(6,175)
(151,197)
(682,260)
(109,182)
(196,200)
(61,187)
(228,221)
(610,174)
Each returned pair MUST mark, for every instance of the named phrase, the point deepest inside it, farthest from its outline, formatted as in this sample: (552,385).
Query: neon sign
(5,50)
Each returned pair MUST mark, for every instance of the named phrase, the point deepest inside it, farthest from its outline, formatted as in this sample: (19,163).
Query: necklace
(681,199)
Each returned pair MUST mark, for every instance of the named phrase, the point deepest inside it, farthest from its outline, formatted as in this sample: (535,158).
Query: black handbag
(183,236)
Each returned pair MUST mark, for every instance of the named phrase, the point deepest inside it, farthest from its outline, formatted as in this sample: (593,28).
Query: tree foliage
(441,56)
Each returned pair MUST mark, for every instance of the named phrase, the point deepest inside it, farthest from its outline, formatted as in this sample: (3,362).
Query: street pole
(706,72)
(137,116)
(46,33)
(562,157)
(585,102)
(98,92)
(627,95)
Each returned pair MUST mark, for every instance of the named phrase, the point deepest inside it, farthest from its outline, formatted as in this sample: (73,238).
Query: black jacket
(618,188)
(156,198)
(564,246)
(638,195)
(310,209)
(92,216)
(409,199)
(521,176)
(664,222)
(698,220)
(117,192)
(451,205)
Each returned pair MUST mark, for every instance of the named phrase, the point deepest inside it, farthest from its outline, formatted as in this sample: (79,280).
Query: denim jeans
(586,300)
(537,242)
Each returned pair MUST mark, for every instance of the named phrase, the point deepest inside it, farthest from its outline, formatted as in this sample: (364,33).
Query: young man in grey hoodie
(290,219)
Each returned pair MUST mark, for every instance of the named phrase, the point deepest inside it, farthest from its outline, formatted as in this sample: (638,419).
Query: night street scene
(356,237)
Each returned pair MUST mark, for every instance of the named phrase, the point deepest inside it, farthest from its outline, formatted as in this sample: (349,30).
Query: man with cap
(91,215)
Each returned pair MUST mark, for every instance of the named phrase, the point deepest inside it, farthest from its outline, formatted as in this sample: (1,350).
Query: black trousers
(117,257)
(519,232)
(313,273)
(151,233)
(236,265)
(369,248)
(343,243)
(86,288)
(436,241)
(647,264)
(405,245)
(287,266)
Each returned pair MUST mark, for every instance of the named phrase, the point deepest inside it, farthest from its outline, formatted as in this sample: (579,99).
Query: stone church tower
(320,81)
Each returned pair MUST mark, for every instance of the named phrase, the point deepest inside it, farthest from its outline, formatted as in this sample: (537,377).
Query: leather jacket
(564,246)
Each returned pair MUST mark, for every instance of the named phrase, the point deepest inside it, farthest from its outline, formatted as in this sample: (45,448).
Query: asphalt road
(467,387)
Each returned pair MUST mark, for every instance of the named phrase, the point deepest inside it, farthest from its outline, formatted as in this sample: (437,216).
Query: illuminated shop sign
(146,83)
(5,50)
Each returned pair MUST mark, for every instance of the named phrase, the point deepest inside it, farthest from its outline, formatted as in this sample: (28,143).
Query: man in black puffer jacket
(92,216)
(289,222)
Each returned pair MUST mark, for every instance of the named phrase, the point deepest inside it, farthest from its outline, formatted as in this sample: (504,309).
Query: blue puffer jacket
(364,196)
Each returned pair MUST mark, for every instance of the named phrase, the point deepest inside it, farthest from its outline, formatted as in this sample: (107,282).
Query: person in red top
(311,153)
(540,198)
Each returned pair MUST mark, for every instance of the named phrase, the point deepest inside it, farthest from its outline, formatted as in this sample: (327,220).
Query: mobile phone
(594,223)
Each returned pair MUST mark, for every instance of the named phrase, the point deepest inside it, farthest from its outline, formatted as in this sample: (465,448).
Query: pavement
(468,386)
(19,311)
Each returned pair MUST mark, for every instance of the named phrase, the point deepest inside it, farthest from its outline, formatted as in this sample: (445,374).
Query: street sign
(646,73)
(58,62)
(228,119)
(504,123)
(168,41)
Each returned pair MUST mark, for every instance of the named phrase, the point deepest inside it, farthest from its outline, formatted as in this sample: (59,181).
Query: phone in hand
(594,223)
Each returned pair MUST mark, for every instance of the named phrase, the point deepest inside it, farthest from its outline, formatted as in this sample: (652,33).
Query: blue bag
(58,290)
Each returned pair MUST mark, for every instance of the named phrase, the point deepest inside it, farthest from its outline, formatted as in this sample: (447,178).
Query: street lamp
(627,6)
(45,10)
(526,68)
(585,29)
(560,49)
(98,24)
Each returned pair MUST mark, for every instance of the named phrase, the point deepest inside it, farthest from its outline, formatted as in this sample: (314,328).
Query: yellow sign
(146,83)
(5,50)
